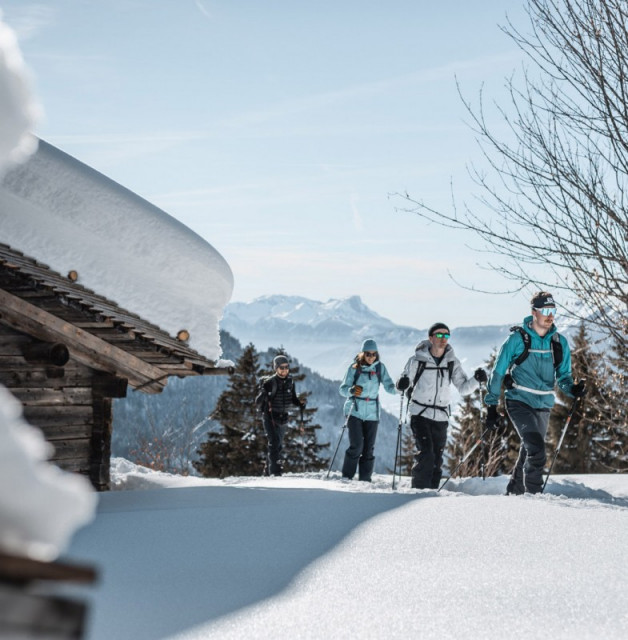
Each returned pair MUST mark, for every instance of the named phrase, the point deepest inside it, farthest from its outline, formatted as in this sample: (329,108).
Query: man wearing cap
(529,387)
(426,379)
(278,394)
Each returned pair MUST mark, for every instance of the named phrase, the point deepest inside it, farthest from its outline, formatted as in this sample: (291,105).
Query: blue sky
(278,129)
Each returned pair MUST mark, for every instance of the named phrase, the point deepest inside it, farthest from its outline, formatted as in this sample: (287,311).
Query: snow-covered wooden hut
(100,293)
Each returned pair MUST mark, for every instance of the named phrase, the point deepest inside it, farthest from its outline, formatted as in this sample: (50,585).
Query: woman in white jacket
(428,375)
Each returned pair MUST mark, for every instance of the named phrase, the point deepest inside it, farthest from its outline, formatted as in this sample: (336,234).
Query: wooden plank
(33,615)
(85,347)
(70,449)
(65,431)
(20,569)
(39,378)
(75,466)
(48,396)
(50,416)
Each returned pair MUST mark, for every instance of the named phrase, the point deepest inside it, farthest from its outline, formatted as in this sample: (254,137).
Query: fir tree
(594,441)
(497,453)
(239,447)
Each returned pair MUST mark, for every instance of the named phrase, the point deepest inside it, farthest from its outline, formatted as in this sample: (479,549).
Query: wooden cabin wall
(75,417)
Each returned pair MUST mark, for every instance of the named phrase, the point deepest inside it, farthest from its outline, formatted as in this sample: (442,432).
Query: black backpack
(556,346)
(264,395)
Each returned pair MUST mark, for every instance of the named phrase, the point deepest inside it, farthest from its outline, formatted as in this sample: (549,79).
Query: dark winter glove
(403,383)
(303,403)
(578,389)
(356,390)
(492,418)
(480,375)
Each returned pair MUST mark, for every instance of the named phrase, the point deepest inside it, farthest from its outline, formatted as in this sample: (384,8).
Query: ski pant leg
(439,441)
(367,459)
(356,446)
(274,433)
(424,459)
(531,425)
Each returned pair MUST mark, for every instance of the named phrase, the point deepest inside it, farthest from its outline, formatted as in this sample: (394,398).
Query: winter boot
(514,488)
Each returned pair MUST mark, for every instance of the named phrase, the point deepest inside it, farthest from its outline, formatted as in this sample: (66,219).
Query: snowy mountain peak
(350,313)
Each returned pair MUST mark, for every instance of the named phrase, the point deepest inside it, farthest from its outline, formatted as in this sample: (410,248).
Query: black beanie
(279,360)
(436,326)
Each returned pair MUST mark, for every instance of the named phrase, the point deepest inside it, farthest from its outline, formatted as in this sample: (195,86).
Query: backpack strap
(556,346)
(419,370)
(358,371)
(525,336)
(557,350)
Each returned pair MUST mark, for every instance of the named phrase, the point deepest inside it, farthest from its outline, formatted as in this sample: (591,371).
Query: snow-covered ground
(307,557)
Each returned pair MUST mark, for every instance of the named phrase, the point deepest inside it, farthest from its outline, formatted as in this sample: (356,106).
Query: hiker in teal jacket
(361,388)
(530,388)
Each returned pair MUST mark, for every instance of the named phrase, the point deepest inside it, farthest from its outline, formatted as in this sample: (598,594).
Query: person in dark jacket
(278,394)
(361,388)
(530,389)
(427,377)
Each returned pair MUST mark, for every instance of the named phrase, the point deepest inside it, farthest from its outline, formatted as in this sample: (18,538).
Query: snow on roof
(73,218)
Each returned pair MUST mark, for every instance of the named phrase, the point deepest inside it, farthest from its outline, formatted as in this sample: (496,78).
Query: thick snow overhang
(98,333)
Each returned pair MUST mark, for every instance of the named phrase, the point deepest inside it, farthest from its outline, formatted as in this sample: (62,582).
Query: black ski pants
(360,454)
(275,426)
(531,425)
(430,437)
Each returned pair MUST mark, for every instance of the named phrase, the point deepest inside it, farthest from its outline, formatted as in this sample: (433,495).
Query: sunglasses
(283,367)
(442,335)
(370,354)
(547,311)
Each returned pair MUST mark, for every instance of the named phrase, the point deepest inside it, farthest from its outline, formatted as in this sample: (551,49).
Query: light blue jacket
(535,377)
(366,406)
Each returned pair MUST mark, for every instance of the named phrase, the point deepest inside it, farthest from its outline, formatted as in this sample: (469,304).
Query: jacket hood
(422,351)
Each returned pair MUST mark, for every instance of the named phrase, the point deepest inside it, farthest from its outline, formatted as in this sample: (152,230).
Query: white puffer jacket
(430,397)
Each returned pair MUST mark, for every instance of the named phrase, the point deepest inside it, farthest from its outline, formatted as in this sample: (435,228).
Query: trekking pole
(560,441)
(483,450)
(466,457)
(398,447)
(344,426)
(303,437)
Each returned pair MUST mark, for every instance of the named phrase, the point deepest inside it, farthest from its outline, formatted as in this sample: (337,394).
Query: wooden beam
(20,569)
(86,348)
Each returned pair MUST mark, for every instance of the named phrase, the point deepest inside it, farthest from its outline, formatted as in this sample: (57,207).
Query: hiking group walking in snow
(530,363)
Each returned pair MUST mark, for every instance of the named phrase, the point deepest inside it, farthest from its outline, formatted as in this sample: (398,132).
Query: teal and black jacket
(535,378)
